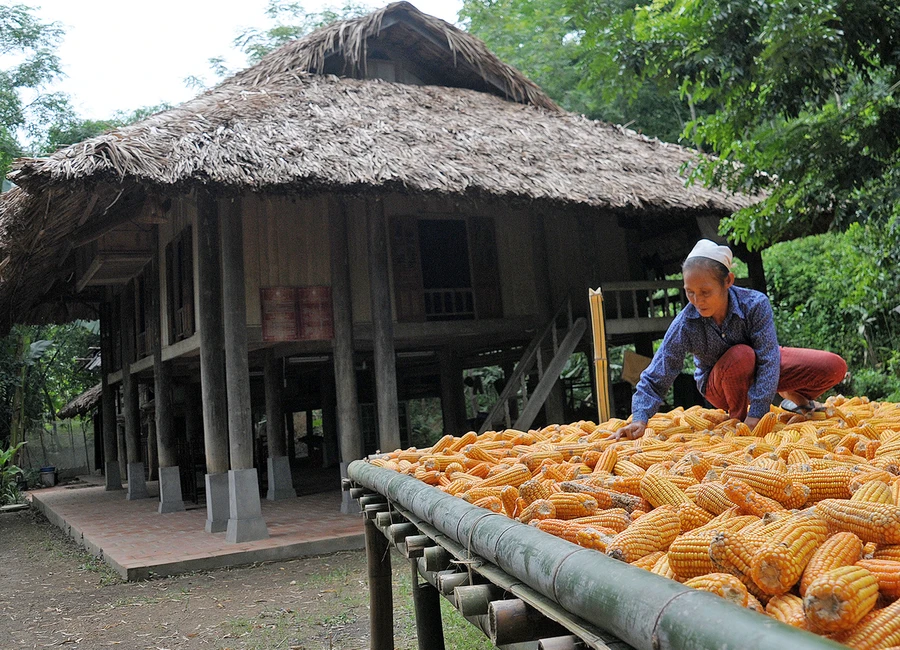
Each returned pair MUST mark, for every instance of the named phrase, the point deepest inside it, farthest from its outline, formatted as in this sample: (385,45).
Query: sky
(127,55)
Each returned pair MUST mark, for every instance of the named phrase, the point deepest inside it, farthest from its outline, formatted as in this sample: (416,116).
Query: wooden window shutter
(409,296)
(485,271)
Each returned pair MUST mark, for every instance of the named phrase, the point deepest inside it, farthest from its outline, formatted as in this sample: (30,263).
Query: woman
(731,333)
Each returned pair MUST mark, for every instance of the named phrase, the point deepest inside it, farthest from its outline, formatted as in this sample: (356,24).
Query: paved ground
(138,542)
(53,594)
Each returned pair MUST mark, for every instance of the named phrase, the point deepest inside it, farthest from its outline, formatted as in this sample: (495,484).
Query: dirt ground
(54,594)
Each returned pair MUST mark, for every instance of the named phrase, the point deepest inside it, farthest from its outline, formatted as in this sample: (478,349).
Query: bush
(876,385)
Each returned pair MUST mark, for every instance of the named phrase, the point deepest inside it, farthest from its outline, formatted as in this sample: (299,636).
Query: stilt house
(345,226)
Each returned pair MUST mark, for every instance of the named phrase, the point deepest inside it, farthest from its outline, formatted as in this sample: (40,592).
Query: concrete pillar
(120,439)
(152,450)
(108,400)
(245,521)
(212,363)
(281,484)
(137,485)
(349,432)
(383,325)
(453,397)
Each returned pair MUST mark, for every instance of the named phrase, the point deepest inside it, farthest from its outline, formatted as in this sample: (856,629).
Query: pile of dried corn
(798,519)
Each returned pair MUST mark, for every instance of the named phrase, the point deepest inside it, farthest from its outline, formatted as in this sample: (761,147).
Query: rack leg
(427,603)
(381,606)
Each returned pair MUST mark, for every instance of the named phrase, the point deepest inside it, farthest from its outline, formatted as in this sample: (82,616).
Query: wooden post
(237,371)
(131,410)
(330,447)
(381,604)
(212,336)
(162,381)
(453,405)
(245,521)
(383,326)
(108,399)
(349,431)
(427,604)
(274,413)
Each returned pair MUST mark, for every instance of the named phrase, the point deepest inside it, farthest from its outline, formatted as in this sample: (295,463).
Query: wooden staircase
(561,325)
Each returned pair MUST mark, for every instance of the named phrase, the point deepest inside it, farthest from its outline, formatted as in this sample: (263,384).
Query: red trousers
(807,372)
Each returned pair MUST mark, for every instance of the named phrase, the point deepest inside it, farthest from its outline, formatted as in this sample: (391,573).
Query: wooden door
(409,295)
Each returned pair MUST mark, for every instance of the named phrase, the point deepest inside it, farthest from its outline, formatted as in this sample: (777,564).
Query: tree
(802,99)
(546,41)
(25,106)
(69,128)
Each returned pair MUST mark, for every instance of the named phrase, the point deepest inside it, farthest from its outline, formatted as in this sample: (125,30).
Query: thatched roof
(81,404)
(281,127)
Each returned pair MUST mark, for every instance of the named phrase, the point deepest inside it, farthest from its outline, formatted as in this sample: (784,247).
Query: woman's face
(707,293)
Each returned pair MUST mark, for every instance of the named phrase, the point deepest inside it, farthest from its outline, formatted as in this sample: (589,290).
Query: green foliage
(549,42)
(30,45)
(69,128)
(9,491)
(800,100)
(841,292)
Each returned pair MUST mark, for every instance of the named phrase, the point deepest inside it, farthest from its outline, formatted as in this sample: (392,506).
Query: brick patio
(137,541)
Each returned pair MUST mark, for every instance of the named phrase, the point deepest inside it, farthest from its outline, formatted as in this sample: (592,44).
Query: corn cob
(605,498)
(624,484)
(515,476)
(778,565)
(788,609)
(842,549)
(570,505)
(533,459)
(662,568)
(712,497)
(754,604)
(887,552)
(725,585)
(874,492)
(659,490)
(474,494)
(839,598)
(467,439)
(615,518)
(767,483)
(493,504)
(442,462)
(652,532)
(689,555)
(733,552)
(607,460)
(871,522)
(648,561)
(441,445)
(692,516)
(627,468)
(748,500)
(510,498)
(596,538)
(532,490)
(563,529)
(888,574)
(831,483)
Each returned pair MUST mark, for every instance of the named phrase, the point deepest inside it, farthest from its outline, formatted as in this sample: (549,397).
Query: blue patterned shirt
(748,320)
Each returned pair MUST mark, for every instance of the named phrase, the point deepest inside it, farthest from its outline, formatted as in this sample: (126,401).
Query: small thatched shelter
(84,403)
(383,193)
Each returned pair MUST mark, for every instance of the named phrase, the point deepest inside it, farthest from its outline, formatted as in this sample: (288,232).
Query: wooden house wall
(181,214)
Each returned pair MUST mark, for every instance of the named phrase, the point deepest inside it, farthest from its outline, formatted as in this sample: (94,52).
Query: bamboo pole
(601,360)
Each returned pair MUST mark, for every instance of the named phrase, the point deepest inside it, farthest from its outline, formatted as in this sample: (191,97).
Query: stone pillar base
(281,485)
(348,506)
(170,490)
(137,486)
(245,523)
(216,502)
(113,478)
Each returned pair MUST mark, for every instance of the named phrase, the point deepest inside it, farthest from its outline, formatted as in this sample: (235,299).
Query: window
(446,276)
(180,286)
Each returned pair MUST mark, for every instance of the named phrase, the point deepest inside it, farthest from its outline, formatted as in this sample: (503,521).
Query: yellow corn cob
(788,609)
(887,573)
(748,500)
(474,494)
(479,453)
(711,497)
(442,462)
(467,439)
(697,422)
(887,552)
(570,505)
(768,483)
(798,456)
(605,498)
(722,584)
(733,552)
(648,561)
(839,598)
(490,503)
(429,477)
(841,549)
(754,604)
(617,519)
(700,465)
(871,522)
(652,532)
(532,490)
(659,490)
(874,492)
(563,529)
(627,468)
(778,565)
(831,483)
(662,568)
(480,469)
(727,521)
(765,425)
(692,516)
(510,497)
(607,460)
(689,555)
(441,444)
(515,476)
(593,537)
(624,484)
(453,468)
(533,460)
(458,486)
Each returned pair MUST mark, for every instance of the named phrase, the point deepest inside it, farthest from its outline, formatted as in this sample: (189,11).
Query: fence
(67,445)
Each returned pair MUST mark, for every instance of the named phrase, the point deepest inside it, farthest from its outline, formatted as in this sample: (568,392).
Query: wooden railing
(449,304)
(651,299)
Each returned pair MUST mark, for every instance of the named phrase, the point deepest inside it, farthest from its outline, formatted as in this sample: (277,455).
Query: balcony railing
(642,307)
(450,304)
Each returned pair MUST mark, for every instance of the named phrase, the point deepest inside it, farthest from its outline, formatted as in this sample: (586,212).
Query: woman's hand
(751,422)
(630,431)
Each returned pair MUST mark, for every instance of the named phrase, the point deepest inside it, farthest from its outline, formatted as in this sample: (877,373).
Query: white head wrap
(711,250)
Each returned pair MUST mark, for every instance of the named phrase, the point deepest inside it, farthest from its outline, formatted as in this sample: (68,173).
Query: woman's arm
(764,341)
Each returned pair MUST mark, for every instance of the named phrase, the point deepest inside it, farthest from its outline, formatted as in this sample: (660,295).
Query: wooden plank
(250,206)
